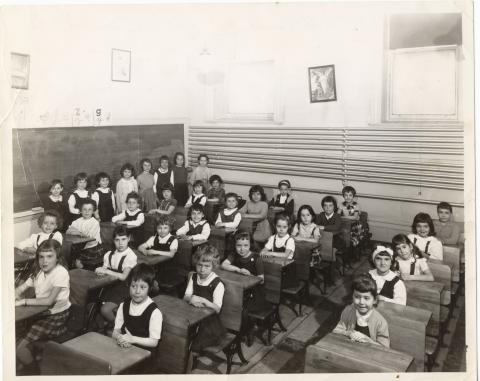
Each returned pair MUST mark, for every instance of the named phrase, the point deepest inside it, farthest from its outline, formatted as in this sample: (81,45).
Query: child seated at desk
(424,237)
(330,221)
(138,320)
(230,216)
(118,264)
(281,244)
(162,243)
(48,222)
(87,226)
(51,282)
(389,285)
(305,229)
(132,218)
(196,227)
(243,261)
(198,195)
(448,232)
(167,204)
(216,193)
(283,202)
(408,260)
(360,321)
(205,289)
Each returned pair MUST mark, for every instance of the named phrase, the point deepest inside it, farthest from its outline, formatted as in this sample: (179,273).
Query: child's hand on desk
(197,301)
(244,272)
(150,252)
(29,250)
(20,303)
(100,271)
(359,337)
(266,255)
(219,225)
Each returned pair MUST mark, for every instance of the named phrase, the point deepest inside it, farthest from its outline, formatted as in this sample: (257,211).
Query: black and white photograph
(277,188)
(322,83)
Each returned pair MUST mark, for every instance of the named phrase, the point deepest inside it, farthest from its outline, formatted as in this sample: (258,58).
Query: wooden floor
(287,354)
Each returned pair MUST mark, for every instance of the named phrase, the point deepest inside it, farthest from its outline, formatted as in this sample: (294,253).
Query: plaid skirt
(359,231)
(48,327)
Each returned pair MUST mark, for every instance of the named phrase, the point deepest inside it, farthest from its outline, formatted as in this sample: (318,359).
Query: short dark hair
(120,231)
(133,195)
(197,208)
(167,186)
(163,219)
(348,189)
(444,205)
(55,182)
(143,272)
(145,160)
(199,183)
(231,195)
(403,239)
(80,176)
(283,217)
(164,157)
(129,167)
(259,189)
(50,213)
(332,200)
(215,177)
(203,155)
(177,154)
(88,201)
(365,283)
(310,210)
(242,235)
(423,218)
(102,175)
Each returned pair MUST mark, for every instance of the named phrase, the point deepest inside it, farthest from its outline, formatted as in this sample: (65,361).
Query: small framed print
(322,83)
(121,61)
(20,70)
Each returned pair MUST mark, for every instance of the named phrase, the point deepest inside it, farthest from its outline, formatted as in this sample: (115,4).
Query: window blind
(419,156)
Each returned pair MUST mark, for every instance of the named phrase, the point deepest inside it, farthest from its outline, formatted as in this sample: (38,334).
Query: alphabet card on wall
(81,117)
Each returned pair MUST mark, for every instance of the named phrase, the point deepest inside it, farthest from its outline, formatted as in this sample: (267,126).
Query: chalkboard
(43,154)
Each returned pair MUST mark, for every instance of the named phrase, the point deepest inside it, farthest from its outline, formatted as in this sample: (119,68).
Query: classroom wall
(70,49)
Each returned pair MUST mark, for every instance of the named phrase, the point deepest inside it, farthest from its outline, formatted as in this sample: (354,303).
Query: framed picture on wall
(121,61)
(322,83)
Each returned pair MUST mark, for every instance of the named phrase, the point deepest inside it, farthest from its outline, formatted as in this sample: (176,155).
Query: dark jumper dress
(211,329)
(180,185)
(119,290)
(138,325)
(105,206)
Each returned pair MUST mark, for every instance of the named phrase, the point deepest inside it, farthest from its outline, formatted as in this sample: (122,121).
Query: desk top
(404,313)
(177,311)
(246,281)
(362,357)
(152,260)
(105,348)
(20,256)
(427,291)
(89,280)
(77,240)
(26,312)
(194,242)
(279,261)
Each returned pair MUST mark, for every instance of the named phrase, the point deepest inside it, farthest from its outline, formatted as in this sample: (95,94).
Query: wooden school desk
(152,260)
(26,312)
(407,327)
(78,240)
(107,349)
(246,282)
(85,285)
(180,326)
(338,354)
(427,296)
